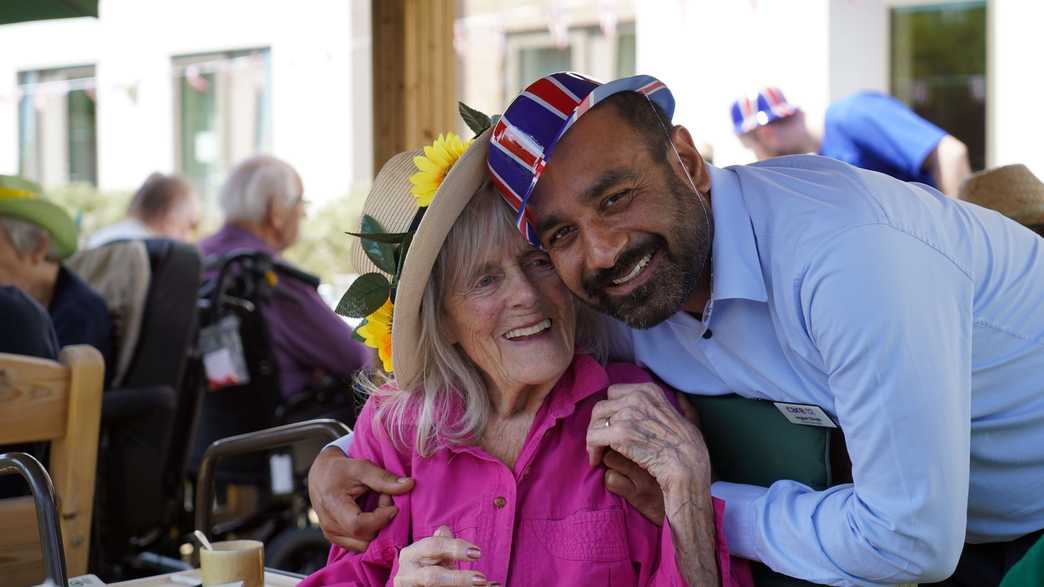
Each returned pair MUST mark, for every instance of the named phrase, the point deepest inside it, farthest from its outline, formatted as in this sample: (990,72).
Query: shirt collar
(584,378)
(735,264)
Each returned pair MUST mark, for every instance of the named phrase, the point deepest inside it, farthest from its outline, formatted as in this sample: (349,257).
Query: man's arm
(948,165)
(890,317)
(336,482)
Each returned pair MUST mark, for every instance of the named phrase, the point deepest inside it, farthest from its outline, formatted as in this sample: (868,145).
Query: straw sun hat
(444,176)
(1012,190)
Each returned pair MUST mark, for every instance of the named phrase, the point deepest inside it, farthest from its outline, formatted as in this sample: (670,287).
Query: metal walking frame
(46,511)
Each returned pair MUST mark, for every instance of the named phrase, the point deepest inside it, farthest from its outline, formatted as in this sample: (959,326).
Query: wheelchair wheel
(298,550)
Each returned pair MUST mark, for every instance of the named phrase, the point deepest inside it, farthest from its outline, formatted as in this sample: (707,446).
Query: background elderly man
(164,206)
(35,236)
(867,129)
(263,203)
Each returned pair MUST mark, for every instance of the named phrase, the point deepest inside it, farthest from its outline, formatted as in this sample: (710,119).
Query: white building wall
(319,71)
(1016,47)
(711,52)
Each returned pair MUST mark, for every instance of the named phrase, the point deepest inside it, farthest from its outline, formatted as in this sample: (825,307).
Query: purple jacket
(306,335)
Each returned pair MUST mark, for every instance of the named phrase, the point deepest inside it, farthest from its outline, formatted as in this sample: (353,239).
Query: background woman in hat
(496,373)
(36,235)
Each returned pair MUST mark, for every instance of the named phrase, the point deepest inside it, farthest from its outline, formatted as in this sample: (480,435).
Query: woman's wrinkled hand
(639,422)
(431,562)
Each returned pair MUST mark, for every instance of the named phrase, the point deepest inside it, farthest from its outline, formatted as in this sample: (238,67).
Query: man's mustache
(596,283)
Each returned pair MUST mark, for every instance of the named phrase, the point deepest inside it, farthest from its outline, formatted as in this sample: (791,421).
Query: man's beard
(679,270)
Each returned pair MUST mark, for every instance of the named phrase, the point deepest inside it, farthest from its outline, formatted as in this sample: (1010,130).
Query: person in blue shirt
(867,129)
(910,319)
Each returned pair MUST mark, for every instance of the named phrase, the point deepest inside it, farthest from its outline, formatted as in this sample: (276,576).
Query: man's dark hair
(158,196)
(646,117)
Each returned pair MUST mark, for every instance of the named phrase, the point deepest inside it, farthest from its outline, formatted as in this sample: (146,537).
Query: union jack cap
(750,112)
(526,134)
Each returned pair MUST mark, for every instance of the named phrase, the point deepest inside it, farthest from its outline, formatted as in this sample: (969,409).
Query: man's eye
(614,199)
(559,235)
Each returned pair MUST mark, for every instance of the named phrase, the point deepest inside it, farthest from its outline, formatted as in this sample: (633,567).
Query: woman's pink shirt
(547,521)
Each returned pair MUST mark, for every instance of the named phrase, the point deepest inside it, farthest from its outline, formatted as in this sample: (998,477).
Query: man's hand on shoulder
(336,482)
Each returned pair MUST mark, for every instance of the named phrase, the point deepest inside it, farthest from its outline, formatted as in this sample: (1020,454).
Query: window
(531,55)
(223,113)
(57,141)
(938,54)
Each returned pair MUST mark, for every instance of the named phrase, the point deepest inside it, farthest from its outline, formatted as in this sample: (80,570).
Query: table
(272,579)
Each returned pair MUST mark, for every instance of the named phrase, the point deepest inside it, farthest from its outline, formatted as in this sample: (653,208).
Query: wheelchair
(262,495)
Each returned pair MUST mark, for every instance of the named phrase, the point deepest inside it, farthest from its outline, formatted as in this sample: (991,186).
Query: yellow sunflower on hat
(434,164)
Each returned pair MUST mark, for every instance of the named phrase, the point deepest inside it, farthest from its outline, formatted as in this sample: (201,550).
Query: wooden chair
(60,403)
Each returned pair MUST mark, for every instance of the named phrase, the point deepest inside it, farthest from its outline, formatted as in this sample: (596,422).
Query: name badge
(805,414)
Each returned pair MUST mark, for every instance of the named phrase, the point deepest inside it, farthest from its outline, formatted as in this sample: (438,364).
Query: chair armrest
(124,403)
(322,429)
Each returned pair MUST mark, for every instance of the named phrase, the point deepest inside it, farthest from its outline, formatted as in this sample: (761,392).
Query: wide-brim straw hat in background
(1012,190)
(392,205)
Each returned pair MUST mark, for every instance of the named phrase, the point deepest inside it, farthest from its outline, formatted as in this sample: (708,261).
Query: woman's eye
(485,281)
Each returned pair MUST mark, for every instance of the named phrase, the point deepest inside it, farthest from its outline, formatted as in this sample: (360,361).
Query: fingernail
(393,513)
(403,480)
(474,553)
(478,580)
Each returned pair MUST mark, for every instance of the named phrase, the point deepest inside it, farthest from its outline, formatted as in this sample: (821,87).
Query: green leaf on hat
(381,237)
(366,295)
(382,254)
(476,121)
(400,259)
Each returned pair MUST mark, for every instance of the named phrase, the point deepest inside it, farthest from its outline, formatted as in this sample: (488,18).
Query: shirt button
(499,502)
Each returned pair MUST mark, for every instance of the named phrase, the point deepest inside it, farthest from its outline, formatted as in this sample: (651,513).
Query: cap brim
(453,195)
(47,215)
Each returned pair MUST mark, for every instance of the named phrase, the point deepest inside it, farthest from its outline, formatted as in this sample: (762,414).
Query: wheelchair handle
(322,429)
(46,510)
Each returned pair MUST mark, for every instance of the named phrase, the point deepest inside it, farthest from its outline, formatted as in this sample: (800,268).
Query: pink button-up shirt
(547,521)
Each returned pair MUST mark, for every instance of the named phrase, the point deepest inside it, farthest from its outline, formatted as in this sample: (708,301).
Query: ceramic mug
(231,561)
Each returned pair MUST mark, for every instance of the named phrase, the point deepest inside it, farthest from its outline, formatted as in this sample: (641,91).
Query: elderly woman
(497,373)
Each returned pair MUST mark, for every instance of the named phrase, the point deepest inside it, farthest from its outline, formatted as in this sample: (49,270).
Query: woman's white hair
(448,378)
(254,183)
(26,236)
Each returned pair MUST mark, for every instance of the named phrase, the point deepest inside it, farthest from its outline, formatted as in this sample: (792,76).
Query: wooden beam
(414,74)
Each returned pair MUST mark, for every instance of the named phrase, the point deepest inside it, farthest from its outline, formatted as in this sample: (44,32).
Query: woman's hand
(639,422)
(335,482)
(430,562)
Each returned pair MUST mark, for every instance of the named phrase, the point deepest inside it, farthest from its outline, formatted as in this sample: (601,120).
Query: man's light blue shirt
(911,318)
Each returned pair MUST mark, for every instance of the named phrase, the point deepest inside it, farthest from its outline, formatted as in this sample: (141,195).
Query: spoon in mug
(202,538)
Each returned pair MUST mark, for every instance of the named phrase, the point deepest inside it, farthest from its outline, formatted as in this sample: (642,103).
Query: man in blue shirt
(909,318)
(867,129)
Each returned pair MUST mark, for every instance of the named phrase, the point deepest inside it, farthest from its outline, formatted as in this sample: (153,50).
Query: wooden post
(414,74)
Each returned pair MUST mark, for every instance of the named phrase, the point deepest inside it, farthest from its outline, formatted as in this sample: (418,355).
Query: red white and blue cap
(526,134)
(750,112)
